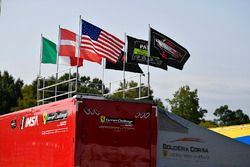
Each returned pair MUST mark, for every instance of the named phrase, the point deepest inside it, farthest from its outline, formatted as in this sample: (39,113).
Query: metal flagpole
(124,63)
(41,52)
(57,59)
(0,7)
(103,64)
(78,50)
(149,40)
(39,73)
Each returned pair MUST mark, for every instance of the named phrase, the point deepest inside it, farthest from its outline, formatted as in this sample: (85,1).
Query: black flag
(131,67)
(167,50)
(137,51)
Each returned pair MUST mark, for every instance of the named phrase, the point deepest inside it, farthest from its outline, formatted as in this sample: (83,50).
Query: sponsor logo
(185,148)
(31,121)
(122,121)
(13,124)
(91,111)
(22,122)
(165,46)
(144,115)
(55,116)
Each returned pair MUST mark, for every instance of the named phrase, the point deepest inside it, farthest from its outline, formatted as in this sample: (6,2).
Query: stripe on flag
(99,42)
(67,43)
(67,52)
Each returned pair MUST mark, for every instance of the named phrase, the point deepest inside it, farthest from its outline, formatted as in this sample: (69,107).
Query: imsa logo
(29,122)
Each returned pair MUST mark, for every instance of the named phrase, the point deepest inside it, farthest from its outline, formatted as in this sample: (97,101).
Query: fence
(50,88)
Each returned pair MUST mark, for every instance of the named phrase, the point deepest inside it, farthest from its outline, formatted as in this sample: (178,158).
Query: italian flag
(49,54)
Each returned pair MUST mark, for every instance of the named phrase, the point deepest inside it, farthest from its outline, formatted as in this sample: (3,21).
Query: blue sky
(216,33)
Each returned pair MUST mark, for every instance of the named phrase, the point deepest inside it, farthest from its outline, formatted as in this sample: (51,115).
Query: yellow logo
(45,117)
(102,118)
(164,153)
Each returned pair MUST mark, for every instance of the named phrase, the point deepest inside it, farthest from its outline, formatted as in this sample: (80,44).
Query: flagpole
(58,49)
(149,40)
(103,64)
(78,50)
(40,71)
(0,7)
(41,52)
(57,59)
(124,81)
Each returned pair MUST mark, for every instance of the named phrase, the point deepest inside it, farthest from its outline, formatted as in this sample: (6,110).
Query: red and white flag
(68,48)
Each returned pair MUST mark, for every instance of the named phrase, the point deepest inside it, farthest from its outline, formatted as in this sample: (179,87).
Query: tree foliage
(86,85)
(208,124)
(185,103)
(27,99)
(159,103)
(10,91)
(226,116)
(133,91)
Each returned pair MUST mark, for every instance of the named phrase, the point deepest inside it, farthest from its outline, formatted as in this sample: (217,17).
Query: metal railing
(122,86)
(50,88)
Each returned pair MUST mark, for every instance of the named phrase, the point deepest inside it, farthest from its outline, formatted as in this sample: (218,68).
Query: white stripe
(67,42)
(93,50)
(100,53)
(101,50)
(115,49)
(92,43)
(90,50)
(116,45)
(114,40)
(64,60)
(115,53)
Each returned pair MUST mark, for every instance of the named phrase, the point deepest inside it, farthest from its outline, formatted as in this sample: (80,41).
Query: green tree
(226,116)
(159,103)
(133,91)
(208,124)
(10,91)
(28,96)
(185,103)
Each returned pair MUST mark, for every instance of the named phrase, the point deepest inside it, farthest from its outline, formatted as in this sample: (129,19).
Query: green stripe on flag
(49,52)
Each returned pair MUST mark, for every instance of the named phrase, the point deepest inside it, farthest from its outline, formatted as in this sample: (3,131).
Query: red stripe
(89,42)
(102,46)
(114,48)
(111,41)
(99,52)
(103,56)
(117,39)
(86,55)
(102,51)
(74,61)
(67,50)
(68,35)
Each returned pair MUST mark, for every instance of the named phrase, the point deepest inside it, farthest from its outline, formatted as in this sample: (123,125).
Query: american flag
(96,41)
